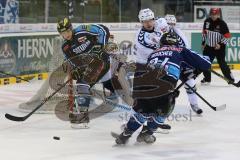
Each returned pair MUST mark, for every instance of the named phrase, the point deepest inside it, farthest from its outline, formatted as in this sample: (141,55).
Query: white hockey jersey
(148,41)
(182,39)
(145,43)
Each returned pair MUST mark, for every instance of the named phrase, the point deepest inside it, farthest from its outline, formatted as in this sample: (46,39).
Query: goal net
(56,77)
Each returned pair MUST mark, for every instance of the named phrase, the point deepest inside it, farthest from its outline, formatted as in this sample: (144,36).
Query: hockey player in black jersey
(168,61)
(83,49)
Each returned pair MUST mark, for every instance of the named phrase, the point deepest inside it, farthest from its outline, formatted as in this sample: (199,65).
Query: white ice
(214,136)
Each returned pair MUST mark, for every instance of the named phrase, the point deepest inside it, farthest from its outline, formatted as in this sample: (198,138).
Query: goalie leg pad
(93,71)
(82,96)
(82,89)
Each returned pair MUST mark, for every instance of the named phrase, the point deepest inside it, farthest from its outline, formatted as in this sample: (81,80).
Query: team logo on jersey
(86,27)
(82,47)
(82,39)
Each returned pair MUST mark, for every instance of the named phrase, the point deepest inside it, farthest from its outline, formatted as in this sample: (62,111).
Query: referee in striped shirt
(214,39)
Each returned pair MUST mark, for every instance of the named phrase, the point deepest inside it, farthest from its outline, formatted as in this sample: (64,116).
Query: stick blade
(14,118)
(220,108)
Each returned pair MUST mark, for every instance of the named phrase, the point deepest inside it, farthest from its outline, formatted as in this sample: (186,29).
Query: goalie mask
(169,39)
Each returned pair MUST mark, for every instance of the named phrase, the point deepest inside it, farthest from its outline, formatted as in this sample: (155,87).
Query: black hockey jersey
(85,37)
(215,32)
(174,59)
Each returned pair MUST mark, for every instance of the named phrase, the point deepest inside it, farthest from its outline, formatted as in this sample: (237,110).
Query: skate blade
(80,126)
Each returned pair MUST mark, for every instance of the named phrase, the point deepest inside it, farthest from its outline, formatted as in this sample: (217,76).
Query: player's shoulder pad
(141,39)
(140,35)
(83,27)
(190,50)
(99,28)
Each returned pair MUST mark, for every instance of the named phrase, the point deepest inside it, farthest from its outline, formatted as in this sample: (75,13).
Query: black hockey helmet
(169,38)
(63,25)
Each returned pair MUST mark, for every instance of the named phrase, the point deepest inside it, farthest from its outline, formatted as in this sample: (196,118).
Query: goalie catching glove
(93,71)
(110,47)
(90,69)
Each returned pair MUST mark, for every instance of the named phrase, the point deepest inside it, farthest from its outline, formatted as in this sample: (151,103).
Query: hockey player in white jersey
(182,41)
(161,25)
(147,38)
(171,21)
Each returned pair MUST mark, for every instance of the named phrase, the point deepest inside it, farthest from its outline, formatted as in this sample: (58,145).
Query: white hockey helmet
(145,14)
(171,19)
(161,25)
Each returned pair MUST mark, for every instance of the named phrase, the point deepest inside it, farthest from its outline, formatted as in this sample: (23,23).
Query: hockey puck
(56,138)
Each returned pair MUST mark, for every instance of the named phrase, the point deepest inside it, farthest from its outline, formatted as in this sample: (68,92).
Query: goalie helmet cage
(56,77)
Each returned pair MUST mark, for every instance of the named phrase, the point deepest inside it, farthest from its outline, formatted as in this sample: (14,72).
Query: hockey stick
(12,75)
(16,118)
(224,78)
(218,108)
(126,106)
(19,119)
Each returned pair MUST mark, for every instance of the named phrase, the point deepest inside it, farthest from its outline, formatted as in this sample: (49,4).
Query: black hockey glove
(190,74)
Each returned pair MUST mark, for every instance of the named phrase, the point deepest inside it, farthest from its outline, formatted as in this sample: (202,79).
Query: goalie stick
(126,106)
(227,80)
(23,118)
(215,108)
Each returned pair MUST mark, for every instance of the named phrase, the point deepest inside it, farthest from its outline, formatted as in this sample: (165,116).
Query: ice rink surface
(213,136)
